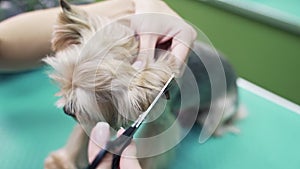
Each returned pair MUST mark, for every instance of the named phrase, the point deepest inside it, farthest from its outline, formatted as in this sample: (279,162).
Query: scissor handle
(116,147)
(128,135)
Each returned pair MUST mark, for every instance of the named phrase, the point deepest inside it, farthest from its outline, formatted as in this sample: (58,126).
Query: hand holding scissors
(118,145)
(99,138)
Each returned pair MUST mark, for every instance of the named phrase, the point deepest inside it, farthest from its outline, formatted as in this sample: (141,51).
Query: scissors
(118,145)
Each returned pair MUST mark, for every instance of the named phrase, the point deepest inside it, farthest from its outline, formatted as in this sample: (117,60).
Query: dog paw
(59,159)
(221,130)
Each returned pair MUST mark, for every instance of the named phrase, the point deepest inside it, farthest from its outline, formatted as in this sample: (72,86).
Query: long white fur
(93,67)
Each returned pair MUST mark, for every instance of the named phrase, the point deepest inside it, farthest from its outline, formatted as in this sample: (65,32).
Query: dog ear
(65,5)
(70,25)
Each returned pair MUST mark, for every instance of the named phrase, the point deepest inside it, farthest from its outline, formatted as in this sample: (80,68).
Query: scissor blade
(145,113)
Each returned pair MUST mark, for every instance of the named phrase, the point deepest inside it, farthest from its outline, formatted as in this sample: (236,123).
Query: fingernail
(99,130)
(137,64)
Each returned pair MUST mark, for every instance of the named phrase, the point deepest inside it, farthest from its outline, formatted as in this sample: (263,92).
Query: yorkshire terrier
(94,68)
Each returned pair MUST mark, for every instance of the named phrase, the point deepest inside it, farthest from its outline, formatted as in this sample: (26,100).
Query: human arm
(26,38)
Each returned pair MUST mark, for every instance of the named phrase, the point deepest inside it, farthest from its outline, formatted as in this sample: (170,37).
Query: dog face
(93,67)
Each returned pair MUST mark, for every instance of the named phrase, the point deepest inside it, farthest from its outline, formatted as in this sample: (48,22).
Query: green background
(260,53)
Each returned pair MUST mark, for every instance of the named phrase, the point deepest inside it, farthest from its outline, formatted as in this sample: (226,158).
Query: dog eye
(67,112)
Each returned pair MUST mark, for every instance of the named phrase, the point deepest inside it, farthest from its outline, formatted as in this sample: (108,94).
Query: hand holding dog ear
(157,25)
(99,137)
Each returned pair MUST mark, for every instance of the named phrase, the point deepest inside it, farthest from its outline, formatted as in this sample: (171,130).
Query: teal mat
(290,7)
(31,127)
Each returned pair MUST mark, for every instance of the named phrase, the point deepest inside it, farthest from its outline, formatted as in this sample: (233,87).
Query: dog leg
(160,134)
(228,126)
(73,155)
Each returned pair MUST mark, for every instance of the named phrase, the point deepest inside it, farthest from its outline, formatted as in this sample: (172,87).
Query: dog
(94,68)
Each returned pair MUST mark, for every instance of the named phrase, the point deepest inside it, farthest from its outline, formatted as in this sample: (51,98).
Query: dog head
(93,67)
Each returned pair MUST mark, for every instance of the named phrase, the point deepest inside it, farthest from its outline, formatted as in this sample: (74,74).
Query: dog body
(94,67)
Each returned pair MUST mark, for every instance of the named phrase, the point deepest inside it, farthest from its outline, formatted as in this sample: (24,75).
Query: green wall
(264,55)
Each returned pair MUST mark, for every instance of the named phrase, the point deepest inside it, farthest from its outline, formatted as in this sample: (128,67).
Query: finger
(120,131)
(99,137)
(106,162)
(147,42)
(146,49)
(128,159)
(180,50)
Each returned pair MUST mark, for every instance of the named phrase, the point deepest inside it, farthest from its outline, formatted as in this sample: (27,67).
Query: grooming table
(31,127)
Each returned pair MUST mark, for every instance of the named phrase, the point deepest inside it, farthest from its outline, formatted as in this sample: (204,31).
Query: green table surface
(290,7)
(31,127)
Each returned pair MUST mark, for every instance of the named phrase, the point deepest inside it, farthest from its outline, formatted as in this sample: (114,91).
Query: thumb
(180,51)
(99,137)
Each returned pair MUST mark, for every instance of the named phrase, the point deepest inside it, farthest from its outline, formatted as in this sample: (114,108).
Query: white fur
(95,74)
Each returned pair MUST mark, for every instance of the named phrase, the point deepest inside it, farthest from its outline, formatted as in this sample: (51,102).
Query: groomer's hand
(99,137)
(157,25)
